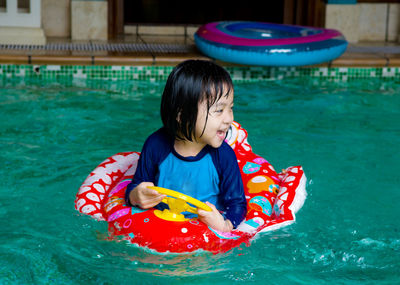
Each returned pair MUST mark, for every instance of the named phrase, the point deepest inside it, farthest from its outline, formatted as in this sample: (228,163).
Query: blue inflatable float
(257,43)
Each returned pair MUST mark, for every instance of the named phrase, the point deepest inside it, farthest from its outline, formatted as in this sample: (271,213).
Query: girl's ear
(178,117)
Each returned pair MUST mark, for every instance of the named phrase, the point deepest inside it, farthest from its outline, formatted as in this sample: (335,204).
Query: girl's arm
(231,196)
(137,193)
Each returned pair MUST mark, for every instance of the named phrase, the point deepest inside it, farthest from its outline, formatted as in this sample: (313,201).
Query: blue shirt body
(212,175)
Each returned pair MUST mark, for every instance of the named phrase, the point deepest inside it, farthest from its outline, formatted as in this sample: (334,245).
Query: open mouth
(221,134)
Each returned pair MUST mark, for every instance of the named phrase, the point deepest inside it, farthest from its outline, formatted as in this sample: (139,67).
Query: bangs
(215,90)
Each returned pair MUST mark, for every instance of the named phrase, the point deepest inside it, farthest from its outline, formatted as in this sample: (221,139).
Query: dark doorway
(179,12)
(201,12)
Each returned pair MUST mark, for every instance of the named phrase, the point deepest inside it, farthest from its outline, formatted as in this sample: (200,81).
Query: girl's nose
(228,119)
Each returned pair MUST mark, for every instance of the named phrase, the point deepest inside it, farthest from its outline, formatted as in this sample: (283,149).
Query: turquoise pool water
(346,136)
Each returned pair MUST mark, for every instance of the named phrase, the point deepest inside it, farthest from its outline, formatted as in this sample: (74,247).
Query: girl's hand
(214,219)
(144,197)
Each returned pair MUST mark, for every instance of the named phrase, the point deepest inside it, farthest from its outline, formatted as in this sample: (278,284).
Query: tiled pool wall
(160,73)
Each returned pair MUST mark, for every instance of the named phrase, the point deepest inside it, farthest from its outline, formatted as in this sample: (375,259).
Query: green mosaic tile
(160,73)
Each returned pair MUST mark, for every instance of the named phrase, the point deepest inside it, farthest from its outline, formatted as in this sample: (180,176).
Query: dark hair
(190,83)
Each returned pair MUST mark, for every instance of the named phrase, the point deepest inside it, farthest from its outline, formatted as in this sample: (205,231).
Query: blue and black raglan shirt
(212,175)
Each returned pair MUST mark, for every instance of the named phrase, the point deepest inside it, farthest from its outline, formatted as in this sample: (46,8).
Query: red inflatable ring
(272,201)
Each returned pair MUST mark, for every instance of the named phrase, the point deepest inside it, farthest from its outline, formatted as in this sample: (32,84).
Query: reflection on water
(168,264)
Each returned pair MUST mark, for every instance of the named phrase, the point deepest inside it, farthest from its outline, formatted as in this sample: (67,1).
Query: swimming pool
(346,136)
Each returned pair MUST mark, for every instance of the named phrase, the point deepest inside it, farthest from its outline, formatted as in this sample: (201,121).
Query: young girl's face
(220,118)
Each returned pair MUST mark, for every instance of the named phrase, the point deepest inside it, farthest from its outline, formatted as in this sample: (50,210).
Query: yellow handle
(181,196)
(177,203)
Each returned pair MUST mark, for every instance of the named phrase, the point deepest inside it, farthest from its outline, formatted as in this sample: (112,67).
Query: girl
(189,154)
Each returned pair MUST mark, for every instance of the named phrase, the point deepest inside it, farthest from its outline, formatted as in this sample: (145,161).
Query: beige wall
(394,22)
(89,20)
(365,21)
(56,18)
(79,20)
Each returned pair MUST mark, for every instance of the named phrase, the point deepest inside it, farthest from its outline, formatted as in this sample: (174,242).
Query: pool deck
(167,50)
